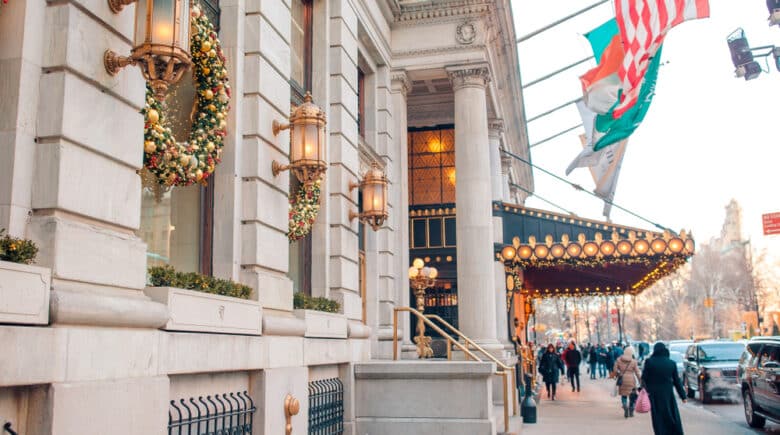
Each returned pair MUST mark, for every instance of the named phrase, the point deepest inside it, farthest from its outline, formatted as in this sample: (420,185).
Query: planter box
(24,294)
(204,312)
(320,324)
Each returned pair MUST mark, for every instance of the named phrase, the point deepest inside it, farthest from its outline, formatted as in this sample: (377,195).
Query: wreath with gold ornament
(304,207)
(174,163)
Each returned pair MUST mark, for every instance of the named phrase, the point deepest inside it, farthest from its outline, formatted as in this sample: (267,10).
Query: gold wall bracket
(291,407)
(277,126)
(114,62)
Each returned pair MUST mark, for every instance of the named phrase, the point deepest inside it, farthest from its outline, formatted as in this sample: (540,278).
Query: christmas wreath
(304,207)
(184,163)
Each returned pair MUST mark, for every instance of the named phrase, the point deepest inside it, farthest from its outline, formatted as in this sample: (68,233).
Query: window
(177,226)
(300,49)
(770,357)
(361,121)
(362,259)
(432,166)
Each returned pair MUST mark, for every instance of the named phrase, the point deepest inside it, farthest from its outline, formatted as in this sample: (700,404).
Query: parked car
(678,359)
(760,381)
(679,345)
(711,370)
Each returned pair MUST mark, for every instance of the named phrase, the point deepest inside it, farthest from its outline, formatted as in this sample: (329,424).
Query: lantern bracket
(277,167)
(278,126)
(114,62)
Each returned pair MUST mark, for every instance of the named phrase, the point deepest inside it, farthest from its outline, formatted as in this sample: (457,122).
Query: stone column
(476,278)
(495,129)
(506,164)
(400,87)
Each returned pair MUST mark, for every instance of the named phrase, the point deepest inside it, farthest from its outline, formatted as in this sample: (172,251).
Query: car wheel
(703,396)
(689,392)
(752,419)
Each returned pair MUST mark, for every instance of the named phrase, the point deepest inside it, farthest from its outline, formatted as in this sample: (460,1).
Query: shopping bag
(643,402)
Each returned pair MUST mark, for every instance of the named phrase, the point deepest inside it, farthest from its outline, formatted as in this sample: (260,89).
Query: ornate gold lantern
(374,191)
(422,277)
(161,44)
(307,142)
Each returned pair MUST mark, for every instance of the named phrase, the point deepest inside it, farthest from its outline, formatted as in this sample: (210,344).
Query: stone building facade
(110,355)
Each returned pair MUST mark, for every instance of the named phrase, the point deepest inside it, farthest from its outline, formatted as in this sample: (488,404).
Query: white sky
(707,138)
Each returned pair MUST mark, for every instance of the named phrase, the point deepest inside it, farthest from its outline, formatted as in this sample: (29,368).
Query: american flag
(643,25)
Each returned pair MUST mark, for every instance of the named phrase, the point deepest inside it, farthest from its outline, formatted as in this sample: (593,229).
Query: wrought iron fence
(226,414)
(326,407)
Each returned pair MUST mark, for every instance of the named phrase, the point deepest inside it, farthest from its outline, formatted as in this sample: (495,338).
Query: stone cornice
(468,76)
(438,50)
(436,11)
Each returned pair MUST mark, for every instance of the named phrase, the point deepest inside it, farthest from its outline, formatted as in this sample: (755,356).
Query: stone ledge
(358,330)
(204,312)
(423,369)
(284,326)
(24,294)
(73,308)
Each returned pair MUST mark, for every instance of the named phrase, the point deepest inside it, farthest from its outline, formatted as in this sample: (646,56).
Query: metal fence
(326,407)
(226,414)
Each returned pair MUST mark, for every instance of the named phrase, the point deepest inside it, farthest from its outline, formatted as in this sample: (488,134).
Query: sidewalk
(594,411)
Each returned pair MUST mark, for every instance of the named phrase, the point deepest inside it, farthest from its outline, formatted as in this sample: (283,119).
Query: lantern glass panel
(297,137)
(378,201)
(163,20)
(311,147)
(183,25)
(141,17)
(368,198)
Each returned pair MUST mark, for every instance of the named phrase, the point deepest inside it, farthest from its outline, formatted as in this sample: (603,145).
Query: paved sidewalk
(594,411)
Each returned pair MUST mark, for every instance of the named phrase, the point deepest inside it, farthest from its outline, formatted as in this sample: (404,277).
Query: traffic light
(741,55)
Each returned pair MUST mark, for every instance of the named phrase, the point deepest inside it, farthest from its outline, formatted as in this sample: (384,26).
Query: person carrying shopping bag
(626,376)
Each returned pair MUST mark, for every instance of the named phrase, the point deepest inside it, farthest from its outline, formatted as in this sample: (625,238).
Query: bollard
(528,407)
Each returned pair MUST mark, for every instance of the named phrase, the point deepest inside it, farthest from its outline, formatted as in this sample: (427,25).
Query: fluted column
(474,226)
(495,128)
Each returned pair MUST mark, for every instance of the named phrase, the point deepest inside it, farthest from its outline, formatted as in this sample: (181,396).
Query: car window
(720,351)
(691,352)
(770,357)
(751,352)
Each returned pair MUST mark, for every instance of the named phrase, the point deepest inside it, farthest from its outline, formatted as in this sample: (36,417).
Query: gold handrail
(432,326)
(490,356)
(505,369)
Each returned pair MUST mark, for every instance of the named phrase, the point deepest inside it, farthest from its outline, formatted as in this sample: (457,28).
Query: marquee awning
(565,255)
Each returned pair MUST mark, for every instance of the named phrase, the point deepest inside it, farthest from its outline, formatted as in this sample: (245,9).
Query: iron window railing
(226,414)
(326,407)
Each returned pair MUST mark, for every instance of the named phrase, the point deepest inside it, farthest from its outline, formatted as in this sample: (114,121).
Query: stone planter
(320,324)
(24,294)
(204,312)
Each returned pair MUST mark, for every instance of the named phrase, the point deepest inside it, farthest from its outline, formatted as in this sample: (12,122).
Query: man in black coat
(572,357)
(660,379)
(592,360)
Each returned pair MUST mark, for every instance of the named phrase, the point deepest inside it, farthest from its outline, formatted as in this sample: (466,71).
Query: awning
(565,255)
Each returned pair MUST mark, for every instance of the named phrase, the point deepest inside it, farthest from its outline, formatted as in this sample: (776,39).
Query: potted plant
(201,303)
(321,315)
(24,288)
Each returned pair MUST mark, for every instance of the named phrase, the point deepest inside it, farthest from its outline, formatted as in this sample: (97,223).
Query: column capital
(399,82)
(468,76)
(495,128)
(506,163)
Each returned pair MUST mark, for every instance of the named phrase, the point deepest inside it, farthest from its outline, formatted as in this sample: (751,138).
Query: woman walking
(550,366)
(659,377)
(626,374)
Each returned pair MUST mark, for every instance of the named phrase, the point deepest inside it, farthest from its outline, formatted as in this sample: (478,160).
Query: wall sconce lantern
(307,142)
(374,191)
(161,44)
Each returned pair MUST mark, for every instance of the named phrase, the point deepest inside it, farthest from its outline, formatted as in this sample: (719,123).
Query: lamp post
(421,277)
(508,255)
(161,43)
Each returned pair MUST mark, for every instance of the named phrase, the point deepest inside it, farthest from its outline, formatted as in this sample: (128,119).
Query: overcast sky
(707,138)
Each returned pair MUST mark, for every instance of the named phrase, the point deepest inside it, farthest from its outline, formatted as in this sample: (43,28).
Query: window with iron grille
(431,166)
(326,407)
(225,414)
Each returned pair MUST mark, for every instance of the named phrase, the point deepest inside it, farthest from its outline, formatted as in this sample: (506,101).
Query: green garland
(304,207)
(593,262)
(182,164)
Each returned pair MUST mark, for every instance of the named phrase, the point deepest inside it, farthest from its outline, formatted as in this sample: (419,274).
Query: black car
(761,381)
(711,370)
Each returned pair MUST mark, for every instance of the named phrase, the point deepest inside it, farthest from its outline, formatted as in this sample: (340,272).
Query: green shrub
(166,276)
(17,250)
(306,302)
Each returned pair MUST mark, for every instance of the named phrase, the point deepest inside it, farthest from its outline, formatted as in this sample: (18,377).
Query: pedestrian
(626,375)
(660,378)
(601,358)
(610,360)
(572,357)
(549,366)
(593,361)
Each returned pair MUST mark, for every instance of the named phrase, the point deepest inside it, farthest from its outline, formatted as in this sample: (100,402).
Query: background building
(429,91)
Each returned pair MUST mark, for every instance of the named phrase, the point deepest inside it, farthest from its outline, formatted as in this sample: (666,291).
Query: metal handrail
(433,326)
(504,373)
(490,356)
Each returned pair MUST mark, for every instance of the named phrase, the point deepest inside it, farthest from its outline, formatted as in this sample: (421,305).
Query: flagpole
(543,78)
(547,139)
(562,20)
(541,115)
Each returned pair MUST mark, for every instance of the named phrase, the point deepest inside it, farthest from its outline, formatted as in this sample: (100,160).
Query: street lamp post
(421,277)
